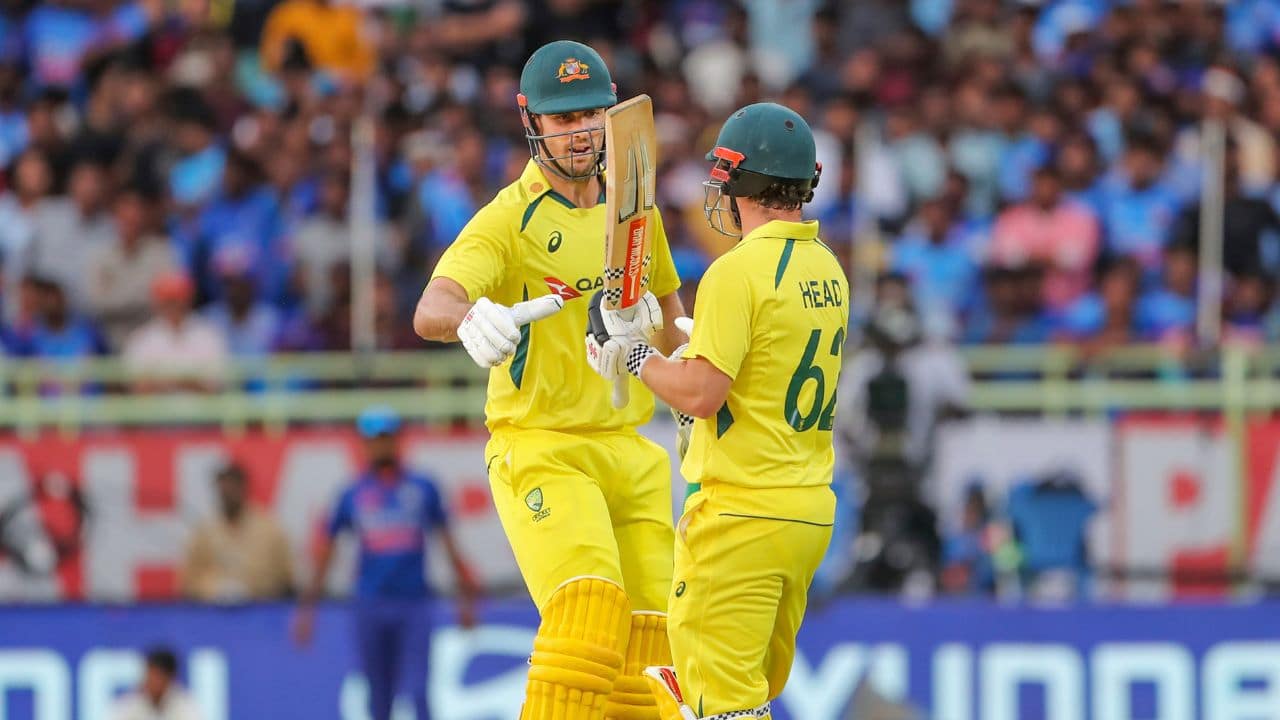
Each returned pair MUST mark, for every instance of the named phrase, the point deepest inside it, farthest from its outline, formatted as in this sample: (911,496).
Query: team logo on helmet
(571,69)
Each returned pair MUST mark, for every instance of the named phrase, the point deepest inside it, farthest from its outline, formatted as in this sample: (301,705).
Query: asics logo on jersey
(680,589)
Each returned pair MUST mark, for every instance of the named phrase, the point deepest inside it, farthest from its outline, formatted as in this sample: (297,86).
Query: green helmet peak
(565,76)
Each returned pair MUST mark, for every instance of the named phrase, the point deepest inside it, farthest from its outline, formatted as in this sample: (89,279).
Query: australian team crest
(571,70)
(534,499)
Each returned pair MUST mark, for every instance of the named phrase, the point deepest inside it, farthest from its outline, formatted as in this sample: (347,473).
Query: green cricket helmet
(761,147)
(563,77)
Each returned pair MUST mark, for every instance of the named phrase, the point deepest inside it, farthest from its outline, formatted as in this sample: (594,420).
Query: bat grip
(622,384)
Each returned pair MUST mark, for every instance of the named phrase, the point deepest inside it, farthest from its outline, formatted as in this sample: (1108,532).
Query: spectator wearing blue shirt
(57,35)
(243,217)
(1078,166)
(1029,151)
(59,337)
(1011,311)
(390,509)
(58,334)
(250,326)
(1139,209)
(1107,317)
(1167,313)
(931,253)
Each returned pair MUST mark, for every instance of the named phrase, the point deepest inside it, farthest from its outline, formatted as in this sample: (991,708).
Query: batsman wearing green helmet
(759,377)
(585,500)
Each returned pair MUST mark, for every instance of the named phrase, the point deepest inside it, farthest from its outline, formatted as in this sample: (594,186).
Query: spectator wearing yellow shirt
(330,34)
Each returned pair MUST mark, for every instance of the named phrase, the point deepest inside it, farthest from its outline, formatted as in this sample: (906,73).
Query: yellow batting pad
(647,645)
(577,653)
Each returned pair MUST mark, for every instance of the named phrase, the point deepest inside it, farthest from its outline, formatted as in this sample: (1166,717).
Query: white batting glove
(646,320)
(608,360)
(490,331)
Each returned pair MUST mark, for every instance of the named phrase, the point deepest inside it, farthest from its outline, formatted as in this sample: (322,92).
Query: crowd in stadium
(178,175)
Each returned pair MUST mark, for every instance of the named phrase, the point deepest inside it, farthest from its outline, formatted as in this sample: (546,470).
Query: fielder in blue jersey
(390,510)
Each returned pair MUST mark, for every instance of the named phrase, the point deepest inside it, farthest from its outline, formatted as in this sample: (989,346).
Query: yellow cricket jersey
(529,241)
(771,314)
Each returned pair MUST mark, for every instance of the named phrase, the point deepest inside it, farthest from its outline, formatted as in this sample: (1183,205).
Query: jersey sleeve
(663,279)
(477,259)
(723,311)
(343,516)
(433,512)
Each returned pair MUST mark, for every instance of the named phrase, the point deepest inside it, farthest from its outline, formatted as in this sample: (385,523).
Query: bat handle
(621,391)
(622,385)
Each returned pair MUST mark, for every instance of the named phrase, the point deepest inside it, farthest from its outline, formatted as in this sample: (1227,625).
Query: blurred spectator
(58,333)
(1224,99)
(932,255)
(1078,165)
(448,194)
(194,176)
(1009,314)
(967,564)
(159,696)
(241,553)
(1138,207)
(1247,222)
(330,36)
(68,231)
(1248,297)
(782,43)
(1167,312)
(57,35)
(175,350)
(1047,231)
(1107,318)
(242,218)
(20,207)
(123,268)
(921,162)
(250,326)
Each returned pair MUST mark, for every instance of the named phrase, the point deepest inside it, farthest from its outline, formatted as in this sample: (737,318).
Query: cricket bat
(631,158)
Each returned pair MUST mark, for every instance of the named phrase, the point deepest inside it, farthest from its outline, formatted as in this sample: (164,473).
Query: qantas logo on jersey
(570,291)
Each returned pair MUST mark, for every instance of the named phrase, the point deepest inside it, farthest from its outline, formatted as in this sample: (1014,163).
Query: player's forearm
(440,311)
(683,384)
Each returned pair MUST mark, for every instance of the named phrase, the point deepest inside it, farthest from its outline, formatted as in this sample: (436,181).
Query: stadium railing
(443,386)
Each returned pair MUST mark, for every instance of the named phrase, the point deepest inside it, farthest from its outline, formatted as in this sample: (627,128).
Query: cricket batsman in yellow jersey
(585,499)
(759,377)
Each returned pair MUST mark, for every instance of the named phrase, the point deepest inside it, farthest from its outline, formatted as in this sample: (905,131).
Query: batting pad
(646,645)
(577,653)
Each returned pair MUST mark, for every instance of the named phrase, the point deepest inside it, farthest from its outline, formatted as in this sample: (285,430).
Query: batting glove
(490,332)
(646,320)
